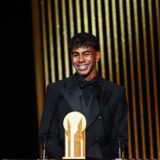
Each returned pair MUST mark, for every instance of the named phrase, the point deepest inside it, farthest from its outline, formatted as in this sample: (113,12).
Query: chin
(84,74)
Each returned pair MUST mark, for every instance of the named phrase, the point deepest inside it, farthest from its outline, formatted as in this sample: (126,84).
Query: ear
(98,56)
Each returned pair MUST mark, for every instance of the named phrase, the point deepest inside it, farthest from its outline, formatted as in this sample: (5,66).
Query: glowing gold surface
(74,125)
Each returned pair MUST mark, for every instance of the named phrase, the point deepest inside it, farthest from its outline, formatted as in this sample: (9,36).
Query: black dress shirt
(88,87)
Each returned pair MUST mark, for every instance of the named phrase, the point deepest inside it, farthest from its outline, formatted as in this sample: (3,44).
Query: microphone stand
(44,150)
(119,149)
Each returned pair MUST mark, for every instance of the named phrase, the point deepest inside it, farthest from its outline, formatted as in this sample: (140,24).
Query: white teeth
(82,67)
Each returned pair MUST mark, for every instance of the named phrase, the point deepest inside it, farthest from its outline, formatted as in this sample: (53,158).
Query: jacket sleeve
(49,126)
(119,132)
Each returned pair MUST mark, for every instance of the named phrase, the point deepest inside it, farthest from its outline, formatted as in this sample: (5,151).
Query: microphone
(44,149)
(119,148)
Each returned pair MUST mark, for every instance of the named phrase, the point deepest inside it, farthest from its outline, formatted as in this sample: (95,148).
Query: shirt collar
(84,82)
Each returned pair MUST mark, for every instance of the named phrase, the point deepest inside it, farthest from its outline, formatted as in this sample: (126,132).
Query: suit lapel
(95,106)
(73,95)
(92,110)
(98,102)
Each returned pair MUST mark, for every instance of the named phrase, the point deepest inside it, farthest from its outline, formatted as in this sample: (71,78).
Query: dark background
(19,128)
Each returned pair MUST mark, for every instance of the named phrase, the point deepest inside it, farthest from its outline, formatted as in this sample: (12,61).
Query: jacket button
(99,117)
(96,138)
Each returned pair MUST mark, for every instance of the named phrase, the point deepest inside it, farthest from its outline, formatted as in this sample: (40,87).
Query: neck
(90,76)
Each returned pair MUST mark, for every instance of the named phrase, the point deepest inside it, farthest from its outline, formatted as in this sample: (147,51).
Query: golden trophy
(75,143)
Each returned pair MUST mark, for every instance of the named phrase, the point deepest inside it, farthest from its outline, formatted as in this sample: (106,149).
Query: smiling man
(103,103)
(84,60)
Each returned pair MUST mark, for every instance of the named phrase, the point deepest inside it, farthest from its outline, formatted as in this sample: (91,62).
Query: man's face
(84,60)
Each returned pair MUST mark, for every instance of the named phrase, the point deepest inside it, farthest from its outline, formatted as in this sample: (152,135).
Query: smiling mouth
(82,67)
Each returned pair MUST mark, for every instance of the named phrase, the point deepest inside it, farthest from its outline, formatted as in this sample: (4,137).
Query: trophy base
(73,158)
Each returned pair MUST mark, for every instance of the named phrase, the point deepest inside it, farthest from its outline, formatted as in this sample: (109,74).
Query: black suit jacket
(106,118)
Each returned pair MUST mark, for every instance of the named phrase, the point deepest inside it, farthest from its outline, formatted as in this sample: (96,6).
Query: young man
(102,102)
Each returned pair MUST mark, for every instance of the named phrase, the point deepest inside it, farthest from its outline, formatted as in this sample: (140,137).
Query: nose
(81,58)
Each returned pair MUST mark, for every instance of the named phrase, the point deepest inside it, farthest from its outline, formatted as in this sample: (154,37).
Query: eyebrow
(81,52)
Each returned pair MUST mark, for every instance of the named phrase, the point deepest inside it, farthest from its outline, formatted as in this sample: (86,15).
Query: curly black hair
(84,40)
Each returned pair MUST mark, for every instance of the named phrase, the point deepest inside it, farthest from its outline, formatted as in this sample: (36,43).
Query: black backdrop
(19,128)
